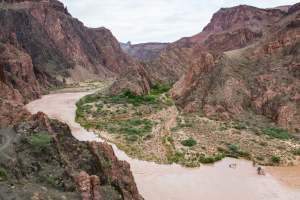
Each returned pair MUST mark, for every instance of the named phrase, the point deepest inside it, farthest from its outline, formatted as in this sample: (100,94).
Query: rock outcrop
(62,161)
(230,19)
(146,51)
(141,76)
(61,45)
(294,8)
(227,41)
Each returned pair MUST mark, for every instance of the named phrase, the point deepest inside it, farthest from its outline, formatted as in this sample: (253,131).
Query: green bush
(133,138)
(4,174)
(48,179)
(223,128)
(207,160)
(240,126)
(39,142)
(219,157)
(127,92)
(263,144)
(276,159)
(233,147)
(220,149)
(256,131)
(148,137)
(260,158)
(173,129)
(277,133)
(170,139)
(112,129)
(169,101)
(189,142)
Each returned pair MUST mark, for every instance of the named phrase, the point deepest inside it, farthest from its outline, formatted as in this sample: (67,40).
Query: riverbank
(155,132)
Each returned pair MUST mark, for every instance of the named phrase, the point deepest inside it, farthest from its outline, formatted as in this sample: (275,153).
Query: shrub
(164,139)
(263,144)
(219,157)
(173,129)
(169,101)
(260,158)
(127,92)
(297,130)
(256,131)
(48,179)
(297,152)
(148,137)
(233,147)
(133,138)
(277,133)
(223,128)
(147,128)
(189,142)
(112,129)
(207,160)
(276,159)
(39,142)
(4,174)
(240,126)
(170,139)
(220,149)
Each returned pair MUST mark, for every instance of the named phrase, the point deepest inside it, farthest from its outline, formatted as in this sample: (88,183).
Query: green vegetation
(276,159)
(4,174)
(240,126)
(189,142)
(277,133)
(223,128)
(39,142)
(48,179)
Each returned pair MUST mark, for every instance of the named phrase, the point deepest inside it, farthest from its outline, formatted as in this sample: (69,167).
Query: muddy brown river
(210,181)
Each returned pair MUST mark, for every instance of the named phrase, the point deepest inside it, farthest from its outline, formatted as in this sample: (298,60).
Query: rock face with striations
(146,51)
(61,45)
(230,19)
(81,170)
(141,76)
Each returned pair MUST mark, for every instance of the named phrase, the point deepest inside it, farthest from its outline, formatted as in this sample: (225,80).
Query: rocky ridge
(230,19)
(61,45)
(141,76)
(56,168)
(146,51)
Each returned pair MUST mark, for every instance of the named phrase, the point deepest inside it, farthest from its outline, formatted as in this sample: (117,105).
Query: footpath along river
(210,181)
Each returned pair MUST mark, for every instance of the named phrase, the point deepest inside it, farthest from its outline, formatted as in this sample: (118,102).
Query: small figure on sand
(232,166)
(261,171)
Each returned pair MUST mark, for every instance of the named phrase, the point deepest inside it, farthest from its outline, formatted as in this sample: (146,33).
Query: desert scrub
(39,142)
(189,142)
(4,174)
(223,128)
(48,179)
(276,159)
(240,126)
(277,133)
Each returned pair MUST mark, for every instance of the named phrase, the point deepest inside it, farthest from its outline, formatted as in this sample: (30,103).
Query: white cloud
(154,20)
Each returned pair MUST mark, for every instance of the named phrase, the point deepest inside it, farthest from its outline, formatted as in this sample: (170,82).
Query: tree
(127,92)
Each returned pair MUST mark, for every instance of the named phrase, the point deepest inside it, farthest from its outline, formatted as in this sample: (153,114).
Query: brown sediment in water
(210,181)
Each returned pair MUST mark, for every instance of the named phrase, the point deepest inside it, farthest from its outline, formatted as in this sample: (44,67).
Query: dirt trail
(9,135)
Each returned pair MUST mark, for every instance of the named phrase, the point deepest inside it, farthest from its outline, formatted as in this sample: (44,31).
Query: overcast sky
(141,21)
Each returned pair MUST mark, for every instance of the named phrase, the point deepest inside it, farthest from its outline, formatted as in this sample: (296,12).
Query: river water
(210,181)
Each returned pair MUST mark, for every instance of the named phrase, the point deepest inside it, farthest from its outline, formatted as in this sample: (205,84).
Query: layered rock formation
(264,78)
(230,19)
(61,45)
(141,76)
(146,51)
(61,162)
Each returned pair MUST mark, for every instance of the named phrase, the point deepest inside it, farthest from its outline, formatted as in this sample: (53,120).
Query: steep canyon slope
(60,44)
(260,73)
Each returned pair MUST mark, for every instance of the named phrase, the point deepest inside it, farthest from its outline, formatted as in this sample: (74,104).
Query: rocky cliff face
(146,51)
(294,8)
(227,41)
(76,170)
(230,19)
(141,76)
(263,77)
(61,45)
